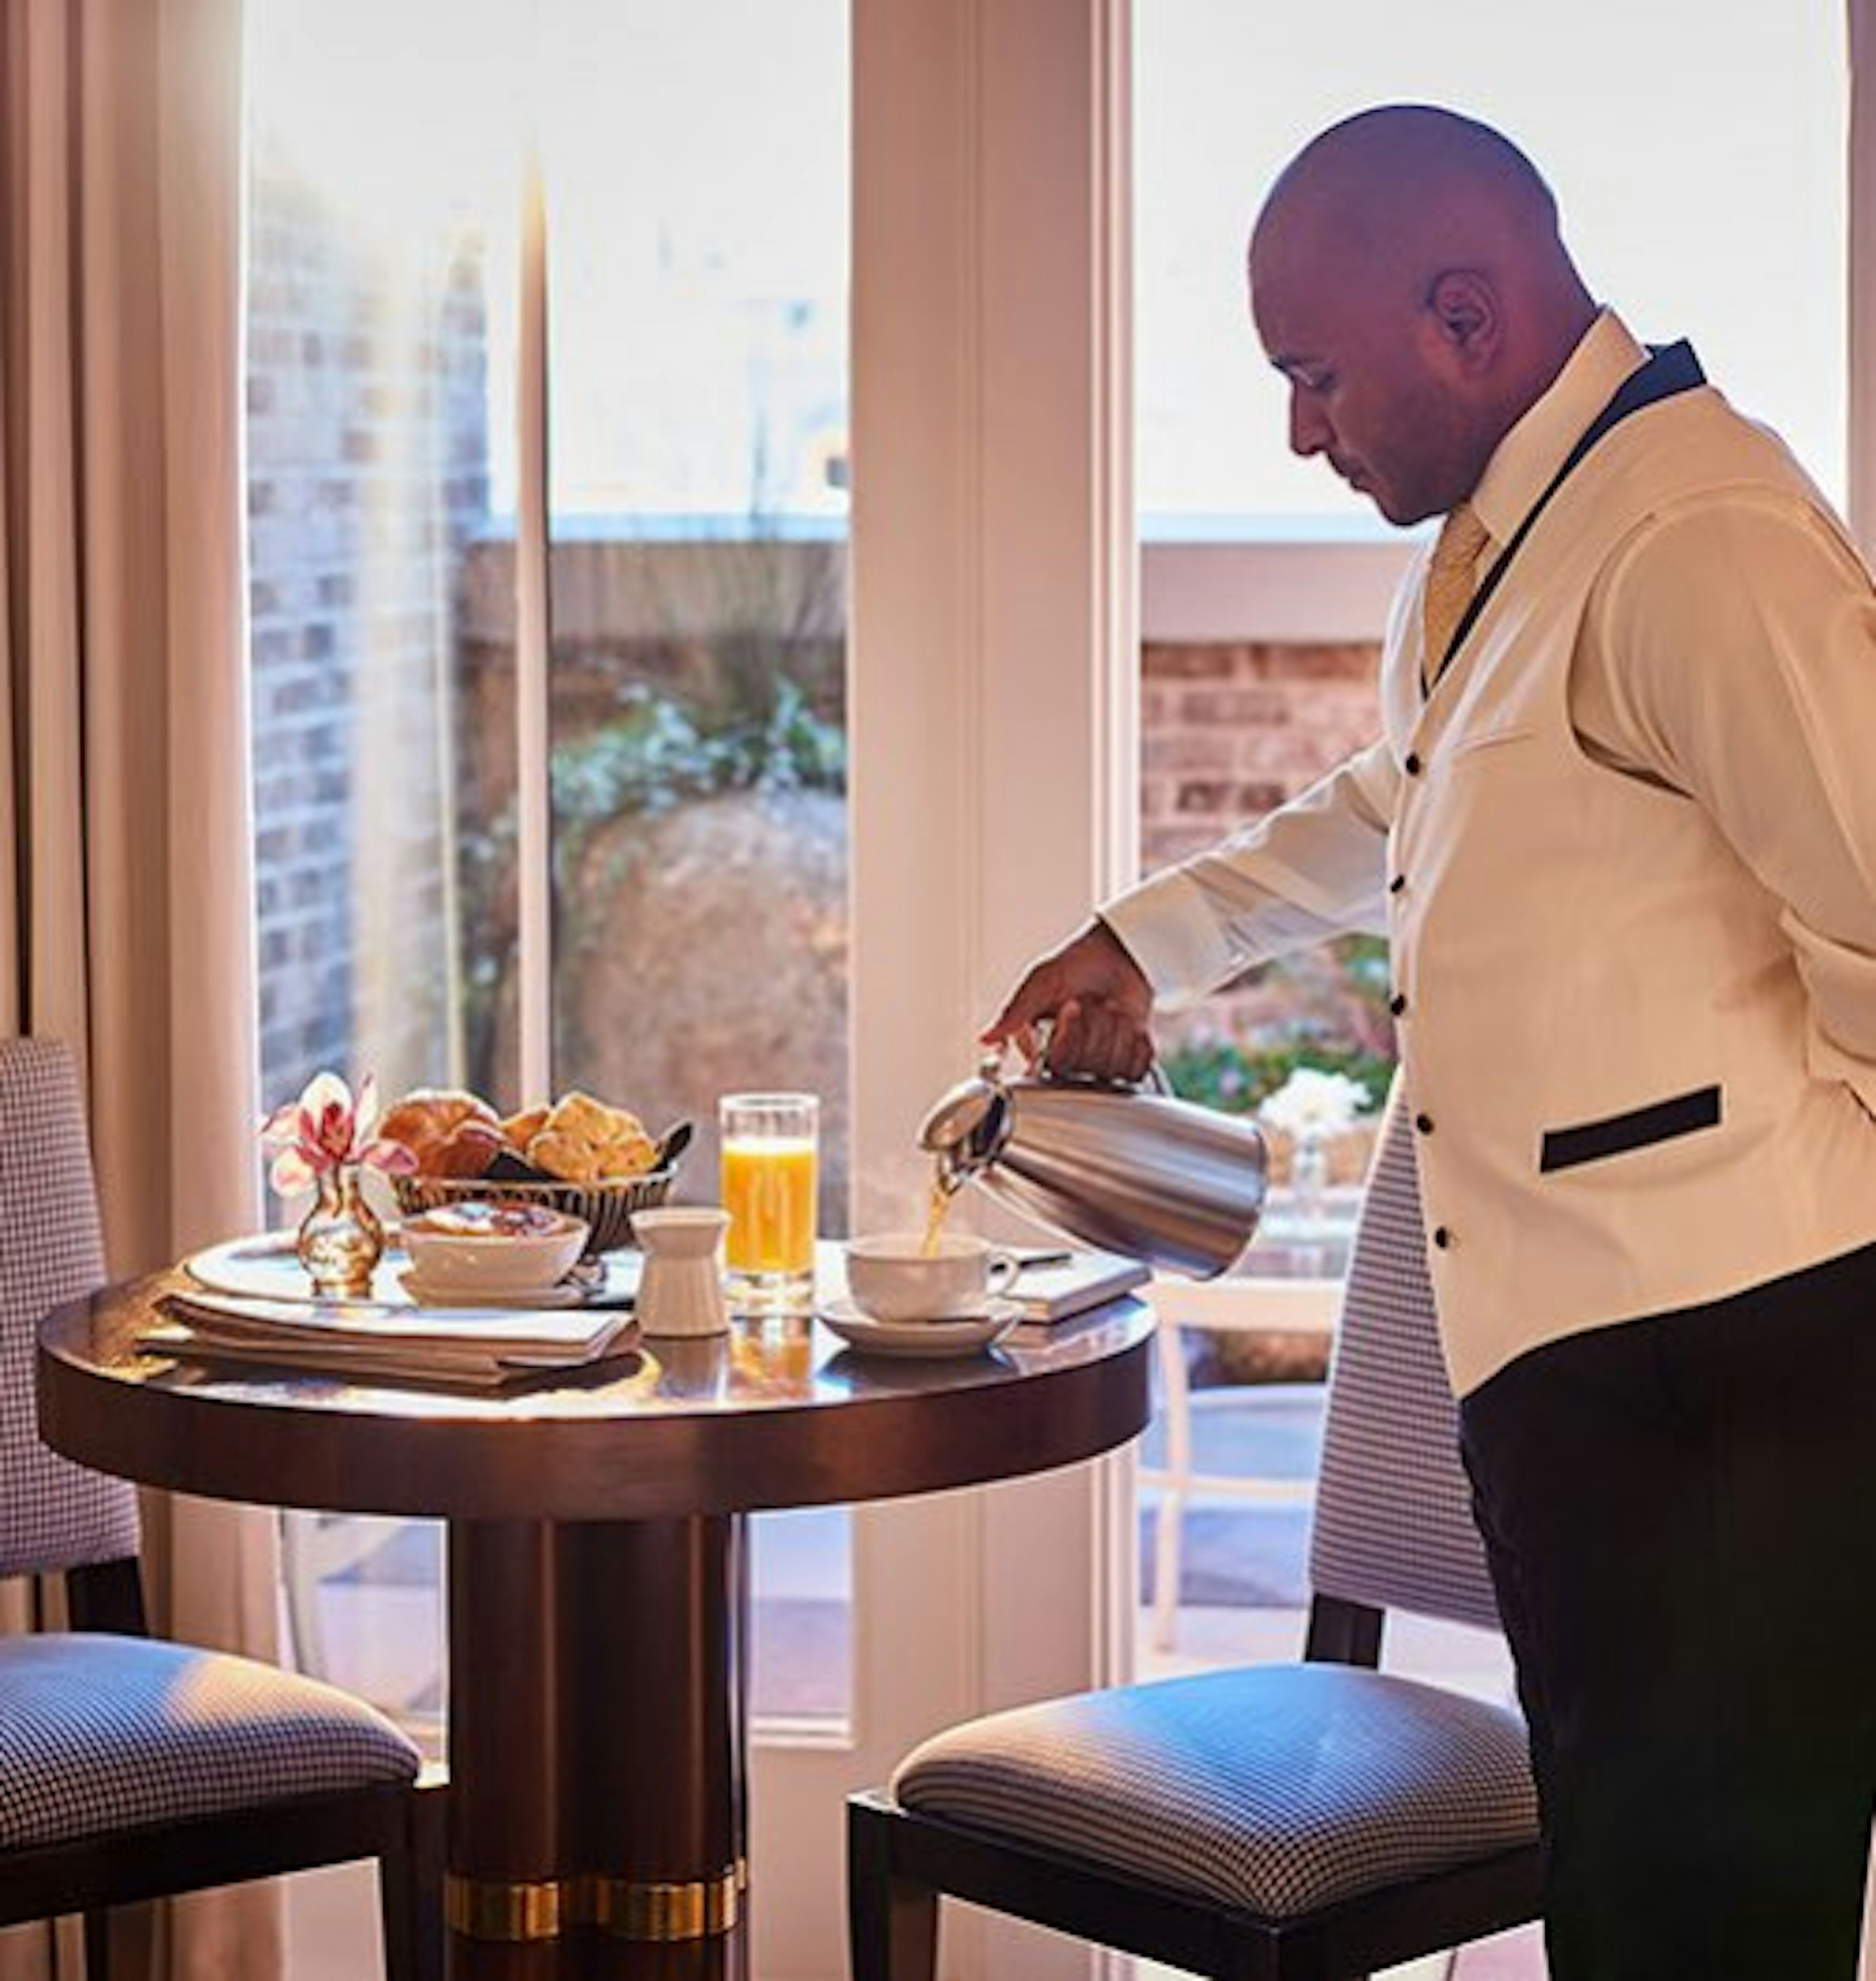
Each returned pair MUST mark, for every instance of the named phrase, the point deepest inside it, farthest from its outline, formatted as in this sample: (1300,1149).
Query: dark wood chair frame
(900,1863)
(400,1824)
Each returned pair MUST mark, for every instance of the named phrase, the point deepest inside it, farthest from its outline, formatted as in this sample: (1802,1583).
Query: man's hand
(1097,1002)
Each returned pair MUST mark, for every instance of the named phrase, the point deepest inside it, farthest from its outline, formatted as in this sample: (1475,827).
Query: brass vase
(340,1240)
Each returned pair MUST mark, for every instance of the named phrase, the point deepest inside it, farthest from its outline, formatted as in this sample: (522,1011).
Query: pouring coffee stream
(1124,1169)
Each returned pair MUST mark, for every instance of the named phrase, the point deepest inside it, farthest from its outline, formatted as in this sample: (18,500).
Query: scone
(583,1140)
(522,1129)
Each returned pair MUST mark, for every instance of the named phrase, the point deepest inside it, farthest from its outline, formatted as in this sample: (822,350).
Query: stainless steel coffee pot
(1121,1168)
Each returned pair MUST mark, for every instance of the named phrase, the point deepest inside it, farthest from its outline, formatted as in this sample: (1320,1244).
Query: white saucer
(963,1337)
(563,1293)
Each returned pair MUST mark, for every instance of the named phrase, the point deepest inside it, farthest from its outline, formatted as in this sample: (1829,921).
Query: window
(1698,210)
(689,400)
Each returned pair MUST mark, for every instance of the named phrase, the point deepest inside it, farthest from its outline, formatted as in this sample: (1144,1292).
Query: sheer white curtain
(125,888)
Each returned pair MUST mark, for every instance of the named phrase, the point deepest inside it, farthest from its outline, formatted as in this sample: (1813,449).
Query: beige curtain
(1861,28)
(125,888)
(1862,282)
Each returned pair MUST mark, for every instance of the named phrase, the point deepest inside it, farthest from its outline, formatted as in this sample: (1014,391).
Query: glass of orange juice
(768,1163)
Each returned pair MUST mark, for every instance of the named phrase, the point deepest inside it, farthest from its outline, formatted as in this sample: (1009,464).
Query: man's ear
(1467,318)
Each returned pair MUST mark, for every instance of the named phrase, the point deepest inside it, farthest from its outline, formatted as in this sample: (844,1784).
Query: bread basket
(607,1205)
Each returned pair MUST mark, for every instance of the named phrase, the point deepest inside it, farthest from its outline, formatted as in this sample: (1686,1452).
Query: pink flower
(326,1130)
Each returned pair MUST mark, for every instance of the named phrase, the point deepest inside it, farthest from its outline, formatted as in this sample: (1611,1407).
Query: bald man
(1620,828)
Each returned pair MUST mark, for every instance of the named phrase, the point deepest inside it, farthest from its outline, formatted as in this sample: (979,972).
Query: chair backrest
(54,1515)
(1394,1526)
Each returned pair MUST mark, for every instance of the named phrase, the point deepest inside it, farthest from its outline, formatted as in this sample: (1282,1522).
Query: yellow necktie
(1449,582)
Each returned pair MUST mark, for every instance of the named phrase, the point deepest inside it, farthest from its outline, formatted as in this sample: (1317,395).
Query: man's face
(1371,386)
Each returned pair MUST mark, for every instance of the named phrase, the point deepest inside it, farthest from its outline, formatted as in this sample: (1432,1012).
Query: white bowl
(608,1206)
(485,1250)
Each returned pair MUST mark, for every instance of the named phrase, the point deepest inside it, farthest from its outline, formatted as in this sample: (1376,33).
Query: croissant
(449,1132)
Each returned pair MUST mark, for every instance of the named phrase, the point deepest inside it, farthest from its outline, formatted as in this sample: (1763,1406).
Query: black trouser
(1681,1517)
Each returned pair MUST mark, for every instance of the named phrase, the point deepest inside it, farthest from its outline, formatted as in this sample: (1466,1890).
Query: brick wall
(1228,732)
(367,470)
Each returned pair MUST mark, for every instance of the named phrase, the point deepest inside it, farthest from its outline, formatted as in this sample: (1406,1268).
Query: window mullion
(534,824)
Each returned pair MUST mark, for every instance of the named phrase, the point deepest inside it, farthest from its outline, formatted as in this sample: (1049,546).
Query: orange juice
(768,1190)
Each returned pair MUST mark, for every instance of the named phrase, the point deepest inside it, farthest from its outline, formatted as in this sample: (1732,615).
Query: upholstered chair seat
(1278,1822)
(103,1734)
(1275,1790)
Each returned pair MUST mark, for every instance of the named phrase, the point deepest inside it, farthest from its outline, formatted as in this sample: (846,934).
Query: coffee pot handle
(1154,1080)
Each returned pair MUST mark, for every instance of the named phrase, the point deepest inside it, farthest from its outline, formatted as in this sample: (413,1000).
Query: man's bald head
(1412,186)
(1407,276)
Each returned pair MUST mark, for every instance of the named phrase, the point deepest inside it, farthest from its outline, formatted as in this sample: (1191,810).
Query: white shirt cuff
(1168,929)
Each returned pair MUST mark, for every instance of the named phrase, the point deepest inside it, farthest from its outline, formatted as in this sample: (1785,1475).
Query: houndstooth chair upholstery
(1317,1819)
(210,1767)
(101,1733)
(1393,1525)
(53,1514)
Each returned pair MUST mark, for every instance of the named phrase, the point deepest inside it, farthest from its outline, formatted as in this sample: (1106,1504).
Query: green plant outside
(1336,1021)
(658,753)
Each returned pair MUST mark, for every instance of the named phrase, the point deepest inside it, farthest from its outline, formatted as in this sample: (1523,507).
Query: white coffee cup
(891,1276)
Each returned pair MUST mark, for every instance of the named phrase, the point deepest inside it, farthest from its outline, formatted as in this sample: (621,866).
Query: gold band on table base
(630,1908)
(640,1909)
(500,1908)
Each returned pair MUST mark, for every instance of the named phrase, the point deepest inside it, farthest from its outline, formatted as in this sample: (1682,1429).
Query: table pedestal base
(598,1687)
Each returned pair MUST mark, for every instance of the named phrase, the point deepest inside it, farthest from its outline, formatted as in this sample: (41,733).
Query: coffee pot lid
(968,1120)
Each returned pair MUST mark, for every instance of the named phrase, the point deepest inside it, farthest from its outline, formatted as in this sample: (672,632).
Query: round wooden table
(598,1570)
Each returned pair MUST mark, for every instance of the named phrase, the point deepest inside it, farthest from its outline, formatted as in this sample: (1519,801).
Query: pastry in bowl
(579,1155)
(486,1253)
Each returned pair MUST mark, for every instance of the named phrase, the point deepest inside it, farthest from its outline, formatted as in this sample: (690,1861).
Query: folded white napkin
(477,1346)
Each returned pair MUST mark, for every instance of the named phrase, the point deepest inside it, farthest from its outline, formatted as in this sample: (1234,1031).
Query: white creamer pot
(1125,1169)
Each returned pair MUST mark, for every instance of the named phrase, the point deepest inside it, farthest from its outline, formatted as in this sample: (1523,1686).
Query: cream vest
(1603,1028)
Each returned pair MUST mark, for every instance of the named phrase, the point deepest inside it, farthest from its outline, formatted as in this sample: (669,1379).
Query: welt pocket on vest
(1640,1128)
(1487,739)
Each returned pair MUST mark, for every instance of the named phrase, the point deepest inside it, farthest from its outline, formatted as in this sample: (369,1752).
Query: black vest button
(1442,1236)
(1397,1004)
(1424,1123)
(1398,882)
(1411,763)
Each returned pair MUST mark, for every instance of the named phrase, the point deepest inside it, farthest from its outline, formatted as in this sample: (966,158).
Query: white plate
(426,1292)
(966,1336)
(265,1267)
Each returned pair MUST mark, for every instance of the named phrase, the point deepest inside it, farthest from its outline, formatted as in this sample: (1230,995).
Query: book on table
(1057,1283)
